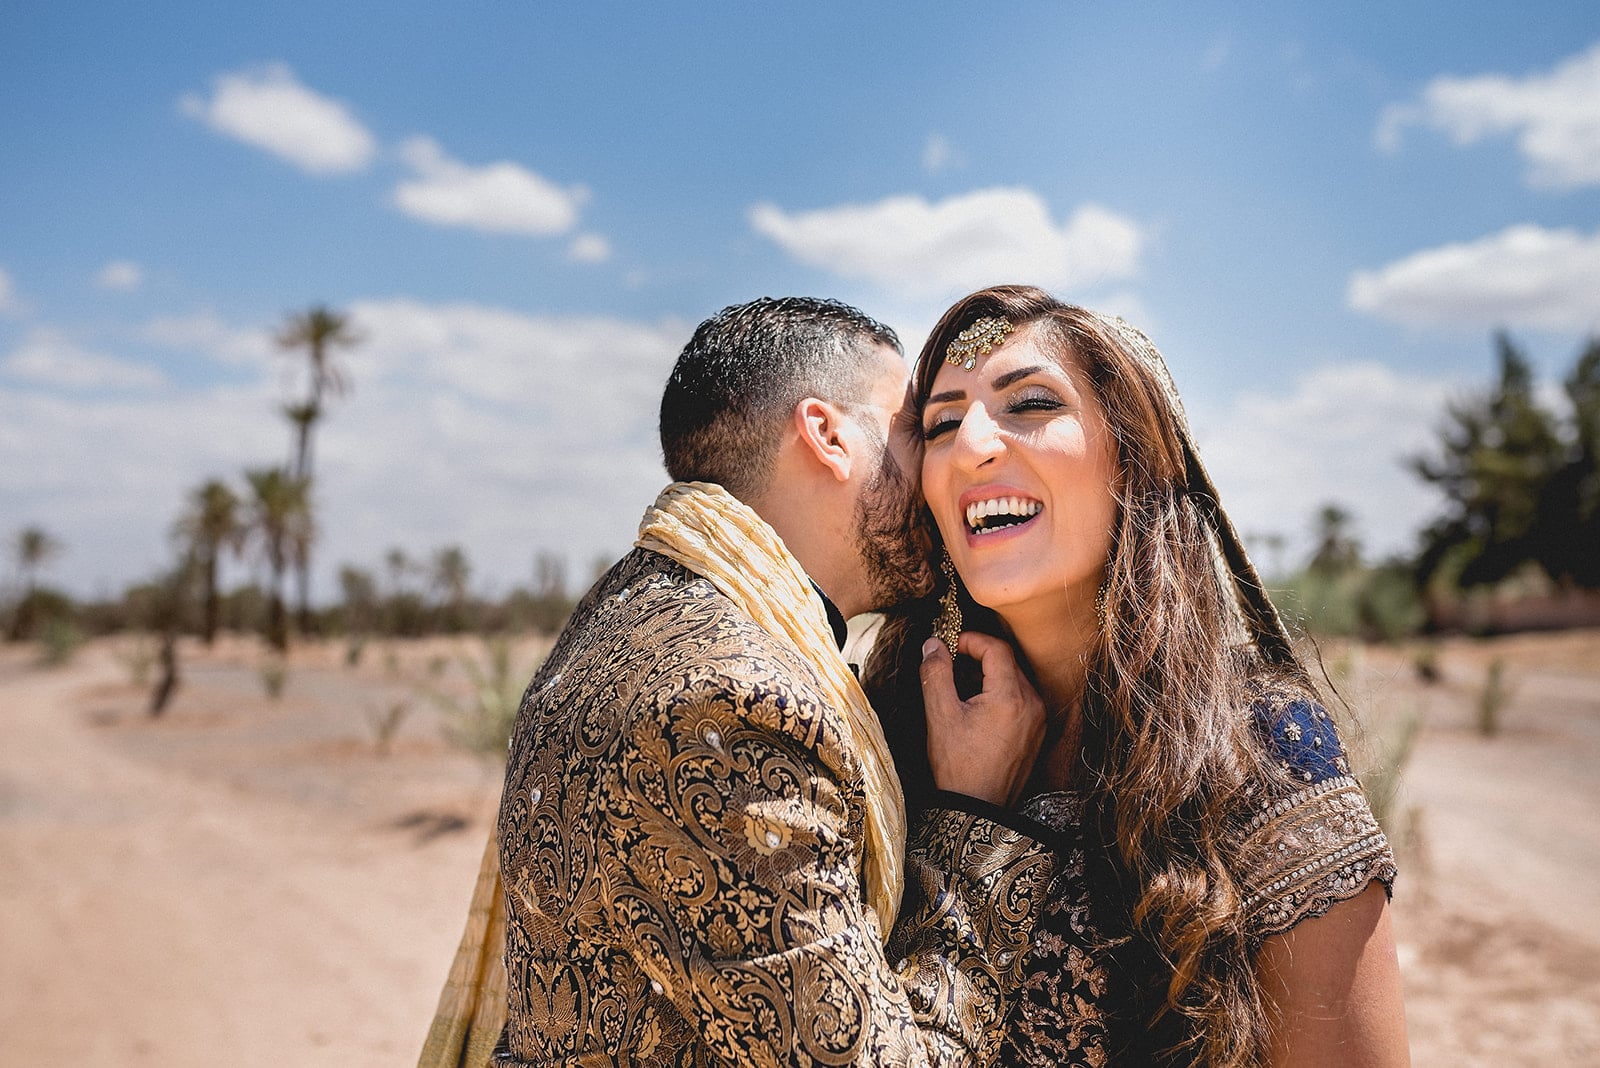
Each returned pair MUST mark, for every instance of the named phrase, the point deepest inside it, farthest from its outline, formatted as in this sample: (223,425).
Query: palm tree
(211,525)
(280,524)
(1337,550)
(399,564)
(450,574)
(34,548)
(318,330)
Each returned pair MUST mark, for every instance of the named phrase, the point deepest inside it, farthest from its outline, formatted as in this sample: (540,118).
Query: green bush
(59,640)
(1382,780)
(274,672)
(1375,604)
(1493,698)
(137,652)
(482,723)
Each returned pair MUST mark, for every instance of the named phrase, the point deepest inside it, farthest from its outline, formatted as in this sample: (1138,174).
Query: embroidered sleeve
(1317,844)
(735,836)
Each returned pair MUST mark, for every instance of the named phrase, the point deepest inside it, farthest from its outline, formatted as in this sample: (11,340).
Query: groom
(702,840)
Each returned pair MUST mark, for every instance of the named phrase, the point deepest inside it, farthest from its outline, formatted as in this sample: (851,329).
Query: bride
(1222,888)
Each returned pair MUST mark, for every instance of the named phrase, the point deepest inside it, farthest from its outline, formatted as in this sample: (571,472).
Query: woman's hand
(985,747)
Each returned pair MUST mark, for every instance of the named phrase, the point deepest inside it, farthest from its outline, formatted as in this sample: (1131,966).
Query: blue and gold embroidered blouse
(1094,985)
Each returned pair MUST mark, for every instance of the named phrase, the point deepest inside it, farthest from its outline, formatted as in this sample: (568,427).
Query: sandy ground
(260,882)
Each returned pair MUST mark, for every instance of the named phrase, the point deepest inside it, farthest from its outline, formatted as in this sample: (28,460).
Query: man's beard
(890,537)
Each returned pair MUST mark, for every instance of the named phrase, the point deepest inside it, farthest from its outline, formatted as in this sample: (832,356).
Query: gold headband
(979,339)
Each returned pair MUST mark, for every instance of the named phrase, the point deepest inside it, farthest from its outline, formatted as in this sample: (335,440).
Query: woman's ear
(824,435)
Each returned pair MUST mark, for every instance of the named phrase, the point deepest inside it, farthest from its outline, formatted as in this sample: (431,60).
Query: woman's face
(1019,471)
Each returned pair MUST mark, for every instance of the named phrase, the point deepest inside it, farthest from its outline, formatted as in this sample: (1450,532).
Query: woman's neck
(1056,641)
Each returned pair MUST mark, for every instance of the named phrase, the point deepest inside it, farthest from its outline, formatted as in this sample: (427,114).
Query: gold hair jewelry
(979,339)
(947,626)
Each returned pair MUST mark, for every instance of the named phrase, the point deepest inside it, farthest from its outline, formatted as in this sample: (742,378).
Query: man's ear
(823,435)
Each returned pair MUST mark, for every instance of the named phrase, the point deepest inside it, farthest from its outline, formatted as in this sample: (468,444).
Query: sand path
(253,882)
(149,918)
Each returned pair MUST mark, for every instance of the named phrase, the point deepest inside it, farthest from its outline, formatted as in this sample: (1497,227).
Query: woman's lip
(992,493)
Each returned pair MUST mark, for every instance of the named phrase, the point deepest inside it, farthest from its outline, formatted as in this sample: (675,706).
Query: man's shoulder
(692,632)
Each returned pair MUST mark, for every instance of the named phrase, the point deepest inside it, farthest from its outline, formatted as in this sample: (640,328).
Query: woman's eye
(938,427)
(1035,403)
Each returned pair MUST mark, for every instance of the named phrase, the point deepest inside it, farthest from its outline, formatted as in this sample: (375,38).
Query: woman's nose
(978,437)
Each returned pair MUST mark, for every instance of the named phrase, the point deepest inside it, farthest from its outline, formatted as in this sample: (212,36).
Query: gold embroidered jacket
(680,840)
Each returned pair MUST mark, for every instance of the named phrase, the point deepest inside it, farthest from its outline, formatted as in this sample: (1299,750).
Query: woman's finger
(939,697)
(995,656)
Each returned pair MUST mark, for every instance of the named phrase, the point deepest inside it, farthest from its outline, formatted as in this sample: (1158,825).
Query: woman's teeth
(999,513)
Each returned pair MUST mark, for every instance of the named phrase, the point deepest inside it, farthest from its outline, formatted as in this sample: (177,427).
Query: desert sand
(265,882)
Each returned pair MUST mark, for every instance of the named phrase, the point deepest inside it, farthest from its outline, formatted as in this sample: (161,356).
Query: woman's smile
(994,510)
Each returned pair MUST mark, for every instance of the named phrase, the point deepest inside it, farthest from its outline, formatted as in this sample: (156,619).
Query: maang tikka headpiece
(979,339)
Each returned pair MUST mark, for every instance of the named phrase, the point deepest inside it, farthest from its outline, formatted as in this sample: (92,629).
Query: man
(702,841)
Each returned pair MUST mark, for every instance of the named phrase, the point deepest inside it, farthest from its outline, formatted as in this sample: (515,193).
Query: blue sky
(1318,212)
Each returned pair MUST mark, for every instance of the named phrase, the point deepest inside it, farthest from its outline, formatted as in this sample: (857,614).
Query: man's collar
(841,631)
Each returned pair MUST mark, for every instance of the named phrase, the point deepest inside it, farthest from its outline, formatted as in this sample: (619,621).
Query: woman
(1224,898)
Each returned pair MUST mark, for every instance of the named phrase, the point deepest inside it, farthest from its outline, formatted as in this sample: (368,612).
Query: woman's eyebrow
(1001,382)
(1020,373)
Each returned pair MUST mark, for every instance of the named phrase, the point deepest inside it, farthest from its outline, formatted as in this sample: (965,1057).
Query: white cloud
(267,107)
(11,305)
(1521,276)
(204,333)
(936,154)
(501,198)
(48,357)
(916,248)
(1216,54)
(120,274)
(1555,117)
(589,248)
(1340,434)
(506,433)
(107,474)
(505,357)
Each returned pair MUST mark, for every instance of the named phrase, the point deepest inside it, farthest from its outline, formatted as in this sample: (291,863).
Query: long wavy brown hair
(1191,647)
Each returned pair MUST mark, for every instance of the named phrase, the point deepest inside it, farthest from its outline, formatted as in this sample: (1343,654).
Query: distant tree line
(1520,482)
(268,520)
(1521,515)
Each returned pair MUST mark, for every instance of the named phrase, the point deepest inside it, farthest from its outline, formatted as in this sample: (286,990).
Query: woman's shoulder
(1301,738)
(1312,839)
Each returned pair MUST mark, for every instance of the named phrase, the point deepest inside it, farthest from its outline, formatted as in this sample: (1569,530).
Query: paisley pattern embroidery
(680,841)
(1303,853)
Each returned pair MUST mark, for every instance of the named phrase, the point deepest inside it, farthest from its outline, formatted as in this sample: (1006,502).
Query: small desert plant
(167,684)
(138,654)
(1425,661)
(482,723)
(59,640)
(385,723)
(354,649)
(1382,780)
(274,673)
(1493,698)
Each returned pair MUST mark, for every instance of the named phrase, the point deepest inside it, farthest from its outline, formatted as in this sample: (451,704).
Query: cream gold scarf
(710,532)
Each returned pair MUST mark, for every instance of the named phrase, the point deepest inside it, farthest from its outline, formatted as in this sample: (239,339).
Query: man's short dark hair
(738,380)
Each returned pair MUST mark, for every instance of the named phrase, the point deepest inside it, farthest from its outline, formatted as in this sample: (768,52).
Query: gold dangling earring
(947,627)
(1100,605)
